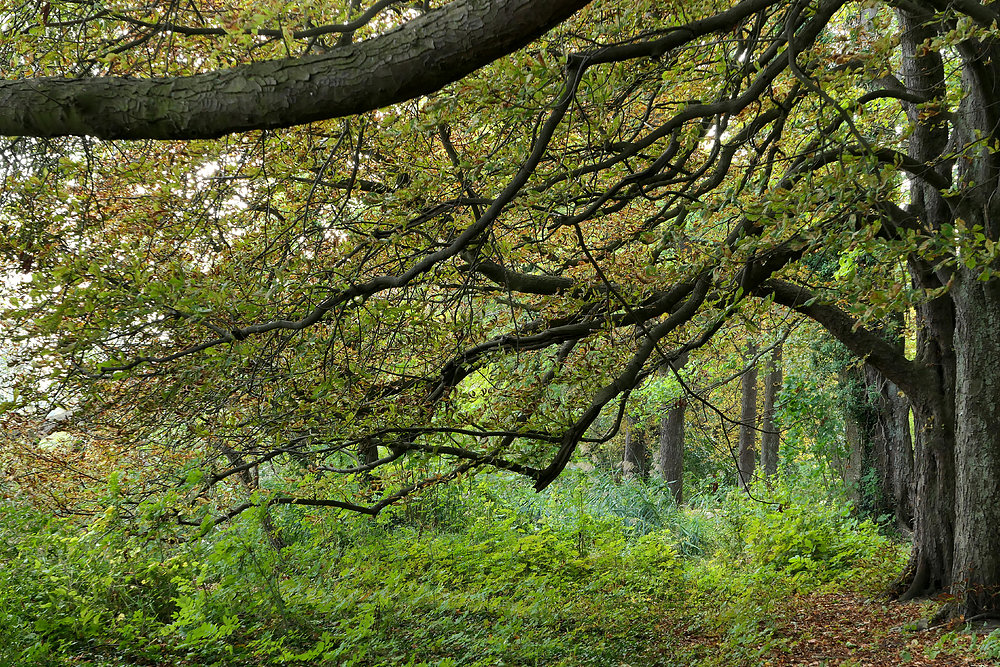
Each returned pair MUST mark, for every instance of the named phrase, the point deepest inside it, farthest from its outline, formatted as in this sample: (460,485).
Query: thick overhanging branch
(984,14)
(866,344)
(522,283)
(418,58)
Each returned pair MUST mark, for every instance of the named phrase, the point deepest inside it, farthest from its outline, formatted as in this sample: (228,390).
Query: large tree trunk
(957,541)
(930,568)
(748,421)
(418,58)
(976,296)
(957,544)
(671,458)
(976,567)
(770,438)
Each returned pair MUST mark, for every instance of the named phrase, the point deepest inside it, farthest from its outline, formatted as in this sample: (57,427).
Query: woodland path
(847,630)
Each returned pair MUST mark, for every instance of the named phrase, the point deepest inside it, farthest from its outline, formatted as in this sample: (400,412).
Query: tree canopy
(389,246)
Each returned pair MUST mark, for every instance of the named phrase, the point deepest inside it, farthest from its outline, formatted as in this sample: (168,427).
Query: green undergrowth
(592,572)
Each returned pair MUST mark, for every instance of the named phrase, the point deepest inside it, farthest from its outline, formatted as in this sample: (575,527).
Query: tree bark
(890,447)
(929,570)
(635,462)
(419,57)
(770,438)
(976,296)
(976,573)
(671,458)
(878,430)
(748,421)
(367,455)
(849,466)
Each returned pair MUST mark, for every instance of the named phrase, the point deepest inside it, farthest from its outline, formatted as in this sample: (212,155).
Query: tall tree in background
(881,454)
(635,460)
(770,437)
(389,278)
(670,455)
(893,448)
(747,447)
(671,451)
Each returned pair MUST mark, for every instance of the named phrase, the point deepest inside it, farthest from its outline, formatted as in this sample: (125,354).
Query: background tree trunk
(635,463)
(368,454)
(889,450)
(671,459)
(250,478)
(880,470)
(748,421)
(849,463)
(770,438)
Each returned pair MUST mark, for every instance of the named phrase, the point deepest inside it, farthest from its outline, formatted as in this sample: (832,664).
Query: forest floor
(847,630)
(512,584)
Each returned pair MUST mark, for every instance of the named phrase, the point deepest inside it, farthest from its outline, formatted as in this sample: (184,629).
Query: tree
(418,58)
(878,418)
(635,460)
(671,451)
(747,453)
(770,437)
(670,455)
(471,294)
